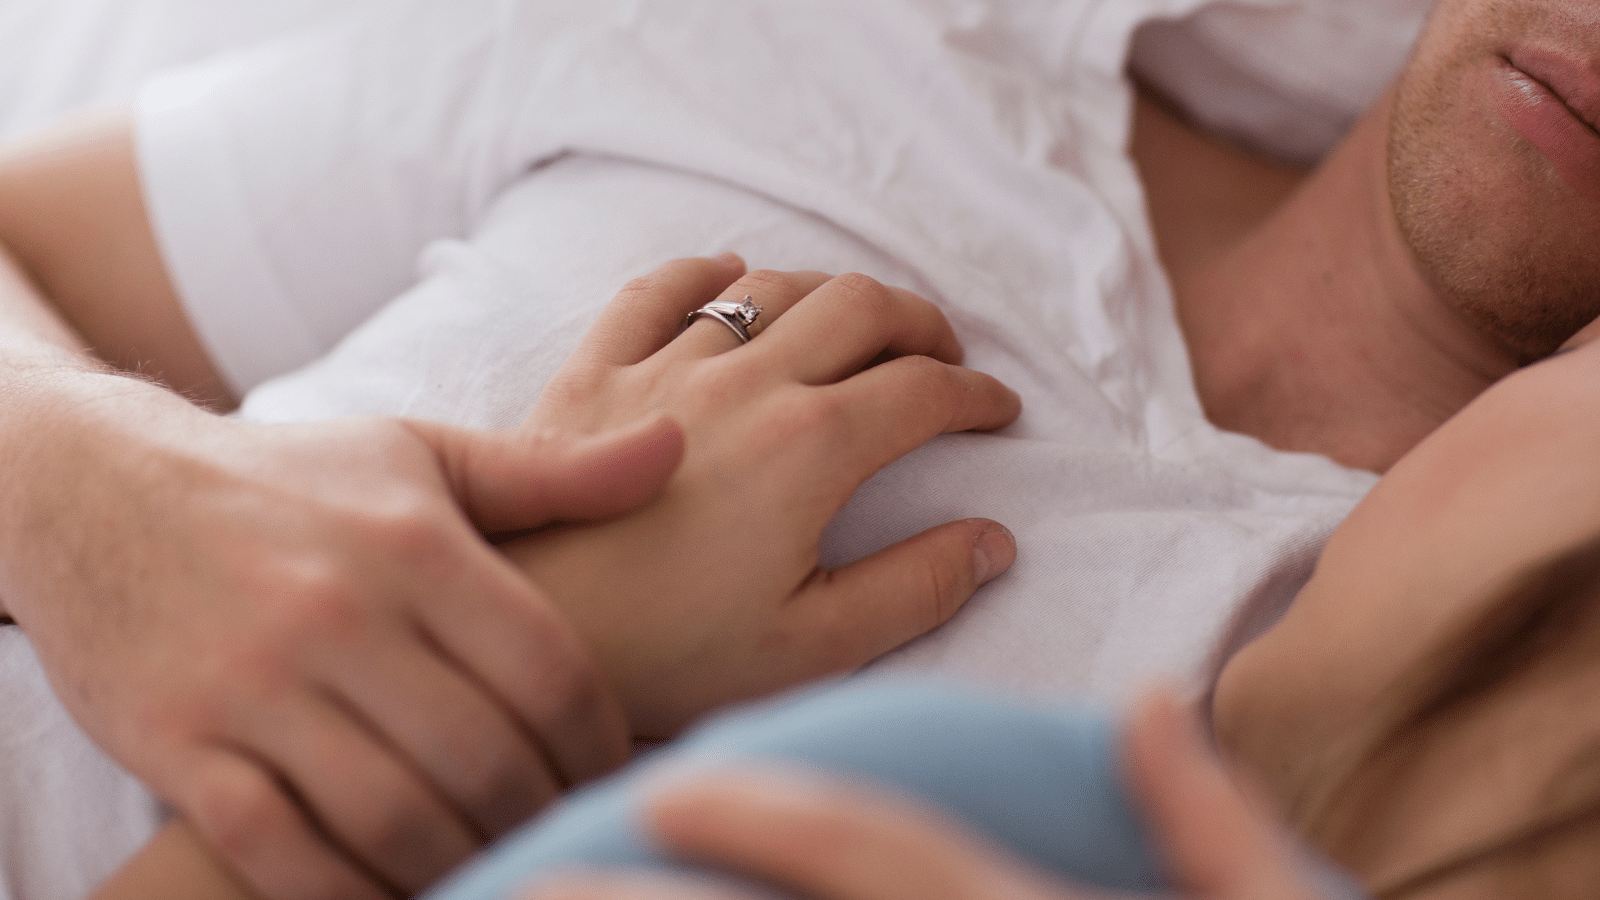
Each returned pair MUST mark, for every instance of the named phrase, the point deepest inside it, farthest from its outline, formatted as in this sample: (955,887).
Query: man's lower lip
(1543,120)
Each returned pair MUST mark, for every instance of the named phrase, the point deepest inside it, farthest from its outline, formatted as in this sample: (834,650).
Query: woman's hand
(713,592)
(831,841)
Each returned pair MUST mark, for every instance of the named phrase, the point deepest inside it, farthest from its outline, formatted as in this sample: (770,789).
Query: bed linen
(1285,79)
(68,816)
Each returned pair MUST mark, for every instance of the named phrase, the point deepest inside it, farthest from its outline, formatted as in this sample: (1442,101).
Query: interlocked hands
(712,593)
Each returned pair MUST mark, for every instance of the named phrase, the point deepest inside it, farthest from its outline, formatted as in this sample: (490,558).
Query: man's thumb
(515,480)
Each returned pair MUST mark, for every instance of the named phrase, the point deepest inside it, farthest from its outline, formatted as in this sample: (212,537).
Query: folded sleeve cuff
(205,226)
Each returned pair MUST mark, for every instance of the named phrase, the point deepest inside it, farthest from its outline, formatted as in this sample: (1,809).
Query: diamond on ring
(737,316)
(747,311)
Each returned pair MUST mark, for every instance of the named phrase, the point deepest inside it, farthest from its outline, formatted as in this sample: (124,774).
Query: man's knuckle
(388,827)
(320,604)
(569,690)
(491,771)
(184,714)
(407,526)
(237,814)
(258,669)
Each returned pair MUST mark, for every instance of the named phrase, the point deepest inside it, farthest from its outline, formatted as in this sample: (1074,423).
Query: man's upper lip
(1575,80)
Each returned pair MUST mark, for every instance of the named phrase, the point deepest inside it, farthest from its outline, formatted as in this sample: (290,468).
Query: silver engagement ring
(737,316)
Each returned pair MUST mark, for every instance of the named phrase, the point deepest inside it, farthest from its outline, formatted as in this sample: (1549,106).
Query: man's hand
(295,635)
(831,841)
(713,593)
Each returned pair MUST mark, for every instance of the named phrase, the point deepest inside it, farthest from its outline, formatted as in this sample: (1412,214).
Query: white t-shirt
(61,56)
(533,156)
(545,152)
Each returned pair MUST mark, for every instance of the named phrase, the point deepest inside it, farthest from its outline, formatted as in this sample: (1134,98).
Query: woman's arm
(839,841)
(176,863)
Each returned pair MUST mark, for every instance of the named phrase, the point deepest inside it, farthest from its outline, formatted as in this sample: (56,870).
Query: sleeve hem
(238,305)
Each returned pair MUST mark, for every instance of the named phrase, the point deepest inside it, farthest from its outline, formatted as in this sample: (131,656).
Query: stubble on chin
(1482,213)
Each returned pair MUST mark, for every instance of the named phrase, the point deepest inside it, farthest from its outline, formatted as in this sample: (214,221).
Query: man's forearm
(44,372)
(296,635)
(74,439)
(286,632)
(46,368)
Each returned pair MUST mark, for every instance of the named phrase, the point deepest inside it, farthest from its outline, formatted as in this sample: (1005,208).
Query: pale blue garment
(1040,780)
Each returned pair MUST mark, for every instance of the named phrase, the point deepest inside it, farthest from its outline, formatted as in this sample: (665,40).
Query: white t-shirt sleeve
(292,185)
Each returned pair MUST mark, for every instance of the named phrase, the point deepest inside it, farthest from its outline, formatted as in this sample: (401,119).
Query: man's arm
(294,635)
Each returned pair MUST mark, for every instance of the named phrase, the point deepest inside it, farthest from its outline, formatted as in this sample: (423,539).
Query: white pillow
(1288,78)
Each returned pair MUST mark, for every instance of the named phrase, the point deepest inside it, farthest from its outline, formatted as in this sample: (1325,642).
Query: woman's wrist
(176,863)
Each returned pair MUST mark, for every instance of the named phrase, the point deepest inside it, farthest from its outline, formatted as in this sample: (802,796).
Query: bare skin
(1308,322)
(1493,492)
(1437,248)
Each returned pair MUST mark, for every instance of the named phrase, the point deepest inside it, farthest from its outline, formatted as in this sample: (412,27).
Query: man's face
(1494,165)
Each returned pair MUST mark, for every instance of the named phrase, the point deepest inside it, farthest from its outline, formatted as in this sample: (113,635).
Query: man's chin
(1502,240)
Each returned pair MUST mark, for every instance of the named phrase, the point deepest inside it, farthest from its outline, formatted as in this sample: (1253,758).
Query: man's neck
(1308,323)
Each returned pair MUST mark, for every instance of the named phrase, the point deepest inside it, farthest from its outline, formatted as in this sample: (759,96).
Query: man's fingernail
(992,553)
(730,259)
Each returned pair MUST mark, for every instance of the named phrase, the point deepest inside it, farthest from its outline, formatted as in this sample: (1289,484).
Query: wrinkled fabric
(68,816)
(534,157)
(1286,78)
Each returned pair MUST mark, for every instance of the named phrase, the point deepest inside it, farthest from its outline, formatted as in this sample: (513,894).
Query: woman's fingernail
(731,260)
(993,553)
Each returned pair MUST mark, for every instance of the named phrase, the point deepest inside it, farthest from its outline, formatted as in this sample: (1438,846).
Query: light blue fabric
(1040,780)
